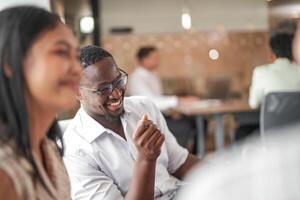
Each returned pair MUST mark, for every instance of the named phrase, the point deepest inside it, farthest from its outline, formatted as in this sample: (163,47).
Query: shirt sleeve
(256,91)
(177,155)
(164,102)
(87,180)
(139,87)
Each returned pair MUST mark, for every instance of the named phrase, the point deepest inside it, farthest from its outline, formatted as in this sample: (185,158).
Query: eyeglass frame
(112,84)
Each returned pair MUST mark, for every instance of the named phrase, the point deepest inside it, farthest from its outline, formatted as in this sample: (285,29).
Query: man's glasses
(120,83)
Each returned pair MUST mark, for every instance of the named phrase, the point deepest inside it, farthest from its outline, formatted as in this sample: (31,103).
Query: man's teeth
(115,103)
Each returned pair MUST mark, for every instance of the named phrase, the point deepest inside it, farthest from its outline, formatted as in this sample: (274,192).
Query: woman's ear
(78,94)
(7,71)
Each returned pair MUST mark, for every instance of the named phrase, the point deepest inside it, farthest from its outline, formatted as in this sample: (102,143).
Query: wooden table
(216,108)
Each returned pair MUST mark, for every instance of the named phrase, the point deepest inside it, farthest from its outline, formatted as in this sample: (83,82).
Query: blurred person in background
(283,74)
(144,81)
(39,76)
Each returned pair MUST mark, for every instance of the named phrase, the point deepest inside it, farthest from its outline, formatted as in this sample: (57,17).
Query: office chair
(280,112)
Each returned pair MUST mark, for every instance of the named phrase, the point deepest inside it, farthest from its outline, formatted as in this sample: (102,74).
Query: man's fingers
(153,139)
(145,118)
(143,139)
(142,121)
(143,124)
(160,141)
(142,127)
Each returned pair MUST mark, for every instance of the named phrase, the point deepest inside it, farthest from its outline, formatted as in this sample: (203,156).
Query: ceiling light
(186,19)
(87,24)
(213,54)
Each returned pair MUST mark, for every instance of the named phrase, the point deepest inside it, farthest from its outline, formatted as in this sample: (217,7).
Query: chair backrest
(63,124)
(279,110)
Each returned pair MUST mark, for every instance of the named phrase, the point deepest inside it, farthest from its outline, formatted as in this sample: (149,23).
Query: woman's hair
(19,29)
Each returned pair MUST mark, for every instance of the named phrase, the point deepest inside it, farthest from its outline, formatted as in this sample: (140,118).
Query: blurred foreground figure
(39,76)
(259,170)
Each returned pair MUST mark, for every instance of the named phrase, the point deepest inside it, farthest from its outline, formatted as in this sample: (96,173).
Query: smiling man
(116,147)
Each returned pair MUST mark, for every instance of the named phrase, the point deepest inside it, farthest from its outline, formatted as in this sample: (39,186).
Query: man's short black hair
(281,40)
(144,51)
(91,54)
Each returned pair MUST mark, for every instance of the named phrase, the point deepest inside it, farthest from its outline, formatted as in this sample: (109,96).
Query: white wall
(9,3)
(155,16)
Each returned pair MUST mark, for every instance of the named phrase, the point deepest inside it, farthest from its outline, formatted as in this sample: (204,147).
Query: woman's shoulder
(7,188)
(7,152)
(15,173)
(51,147)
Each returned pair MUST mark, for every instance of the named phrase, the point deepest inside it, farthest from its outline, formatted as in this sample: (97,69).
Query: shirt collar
(90,128)
(145,71)
(126,107)
(282,61)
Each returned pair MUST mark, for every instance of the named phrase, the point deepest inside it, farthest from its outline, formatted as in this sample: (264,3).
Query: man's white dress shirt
(143,82)
(280,76)
(100,162)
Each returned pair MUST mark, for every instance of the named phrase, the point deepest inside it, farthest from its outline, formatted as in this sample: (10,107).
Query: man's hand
(148,140)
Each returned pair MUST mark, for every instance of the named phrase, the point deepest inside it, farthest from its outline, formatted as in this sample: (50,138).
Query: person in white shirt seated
(119,147)
(283,74)
(145,82)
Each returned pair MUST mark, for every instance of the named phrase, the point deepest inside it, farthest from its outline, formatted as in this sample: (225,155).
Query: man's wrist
(146,161)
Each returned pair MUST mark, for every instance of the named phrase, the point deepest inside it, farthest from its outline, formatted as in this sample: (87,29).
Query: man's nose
(116,93)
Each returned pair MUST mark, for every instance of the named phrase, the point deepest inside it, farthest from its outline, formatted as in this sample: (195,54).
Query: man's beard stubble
(114,119)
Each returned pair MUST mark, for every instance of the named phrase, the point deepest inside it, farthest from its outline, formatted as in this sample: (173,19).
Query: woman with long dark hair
(39,74)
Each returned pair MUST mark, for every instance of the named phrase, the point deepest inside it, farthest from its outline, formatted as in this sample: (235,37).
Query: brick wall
(184,56)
